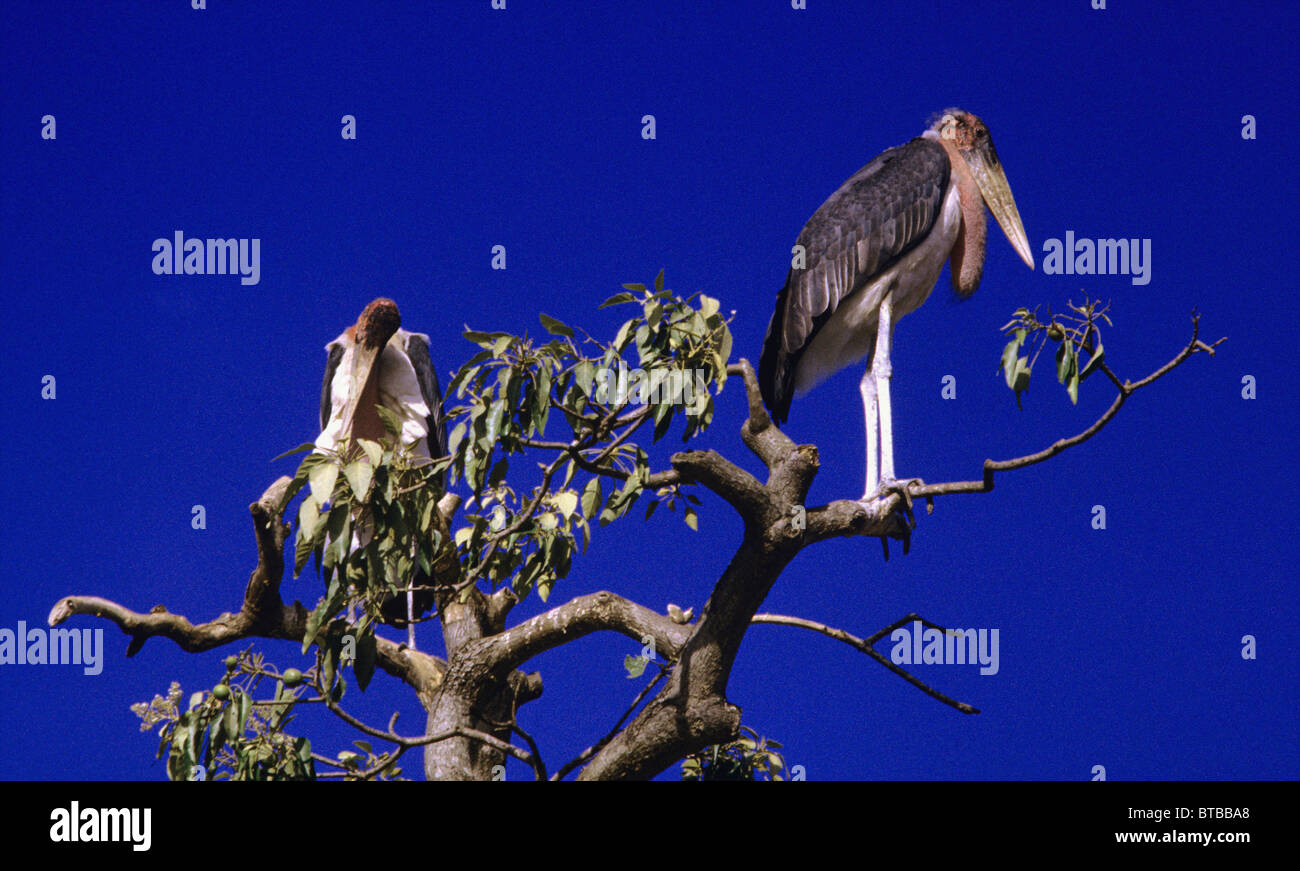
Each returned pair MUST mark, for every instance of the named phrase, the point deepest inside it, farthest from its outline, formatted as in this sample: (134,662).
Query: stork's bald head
(378,323)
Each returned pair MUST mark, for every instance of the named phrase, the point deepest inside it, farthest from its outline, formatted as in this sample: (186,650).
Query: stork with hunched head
(376,362)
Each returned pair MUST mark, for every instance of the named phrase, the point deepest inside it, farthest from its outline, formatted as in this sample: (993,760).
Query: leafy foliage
(370,520)
(1075,334)
(516,391)
(224,734)
(745,759)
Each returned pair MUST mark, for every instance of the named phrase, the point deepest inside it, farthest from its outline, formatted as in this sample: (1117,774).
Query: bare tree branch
(263,615)
(865,645)
(595,612)
(458,732)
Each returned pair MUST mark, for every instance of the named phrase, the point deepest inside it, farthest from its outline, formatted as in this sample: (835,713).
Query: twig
(618,727)
(865,645)
(1124,389)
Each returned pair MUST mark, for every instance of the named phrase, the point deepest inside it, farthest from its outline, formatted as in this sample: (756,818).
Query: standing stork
(375,362)
(872,253)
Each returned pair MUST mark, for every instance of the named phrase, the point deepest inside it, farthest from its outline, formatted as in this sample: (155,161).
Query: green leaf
(494,417)
(322,478)
(457,434)
(392,423)
(1065,361)
(566,502)
(659,281)
(1094,362)
(308,516)
(644,342)
(374,450)
(359,476)
(305,446)
(627,494)
(504,376)
(1009,355)
(708,306)
(556,327)
(621,298)
(1022,375)
(584,374)
(1020,383)
(230,721)
(620,339)
(466,373)
(692,520)
(364,667)
(635,666)
(591,497)
(654,312)
(498,473)
(563,557)
(328,665)
(542,399)
(663,420)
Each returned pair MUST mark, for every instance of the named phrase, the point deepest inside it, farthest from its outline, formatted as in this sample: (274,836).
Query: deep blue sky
(475,128)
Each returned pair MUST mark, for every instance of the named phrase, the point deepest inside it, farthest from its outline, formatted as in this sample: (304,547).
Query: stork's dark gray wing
(331,366)
(394,607)
(862,229)
(417,351)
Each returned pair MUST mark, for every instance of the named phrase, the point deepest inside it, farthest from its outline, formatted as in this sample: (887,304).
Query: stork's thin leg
(867,387)
(881,371)
(410,617)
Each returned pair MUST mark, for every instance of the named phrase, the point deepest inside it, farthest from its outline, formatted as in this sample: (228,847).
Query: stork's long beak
(987,171)
(374,328)
(365,376)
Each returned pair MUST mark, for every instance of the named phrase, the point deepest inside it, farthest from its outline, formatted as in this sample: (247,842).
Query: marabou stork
(375,362)
(873,252)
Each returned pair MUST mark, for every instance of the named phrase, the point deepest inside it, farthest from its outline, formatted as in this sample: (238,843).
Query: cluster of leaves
(515,390)
(1076,333)
(371,521)
(224,734)
(367,765)
(747,758)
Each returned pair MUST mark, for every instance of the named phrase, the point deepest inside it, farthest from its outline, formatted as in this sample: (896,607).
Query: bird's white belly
(850,333)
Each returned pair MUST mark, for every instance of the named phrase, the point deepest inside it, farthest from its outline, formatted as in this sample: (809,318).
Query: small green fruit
(221,691)
(291,677)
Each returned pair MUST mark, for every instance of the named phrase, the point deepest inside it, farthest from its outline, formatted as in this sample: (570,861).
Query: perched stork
(375,362)
(872,253)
